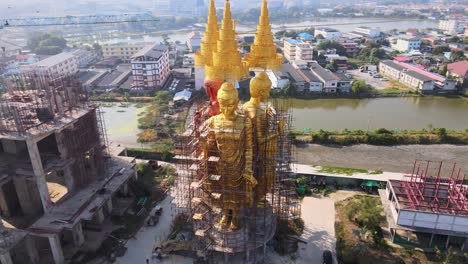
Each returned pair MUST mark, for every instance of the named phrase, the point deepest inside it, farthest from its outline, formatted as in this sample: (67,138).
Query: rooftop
(292,73)
(153,51)
(54,60)
(326,29)
(294,41)
(322,74)
(459,68)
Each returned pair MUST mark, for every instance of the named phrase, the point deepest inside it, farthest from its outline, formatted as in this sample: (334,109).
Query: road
(140,248)
(374,82)
(319,232)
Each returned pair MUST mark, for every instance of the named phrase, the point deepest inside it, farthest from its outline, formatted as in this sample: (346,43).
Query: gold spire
(227,61)
(210,38)
(263,50)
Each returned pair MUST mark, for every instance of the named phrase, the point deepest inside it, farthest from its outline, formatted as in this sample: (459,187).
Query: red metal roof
(459,68)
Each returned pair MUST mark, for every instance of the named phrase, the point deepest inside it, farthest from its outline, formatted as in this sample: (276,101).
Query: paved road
(140,249)
(375,82)
(319,221)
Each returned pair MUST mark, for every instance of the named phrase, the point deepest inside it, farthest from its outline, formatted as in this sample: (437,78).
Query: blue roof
(293,41)
(305,35)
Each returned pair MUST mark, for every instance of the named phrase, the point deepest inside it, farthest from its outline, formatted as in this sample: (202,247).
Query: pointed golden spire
(210,38)
(263,50)
(227,59)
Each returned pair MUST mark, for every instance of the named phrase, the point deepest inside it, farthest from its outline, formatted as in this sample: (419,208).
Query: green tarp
(369,184)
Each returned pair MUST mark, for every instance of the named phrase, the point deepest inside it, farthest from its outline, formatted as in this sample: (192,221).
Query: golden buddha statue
(264,140)
(230,136)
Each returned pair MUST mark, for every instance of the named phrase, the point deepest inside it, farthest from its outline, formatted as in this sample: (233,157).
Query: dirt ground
(392,159)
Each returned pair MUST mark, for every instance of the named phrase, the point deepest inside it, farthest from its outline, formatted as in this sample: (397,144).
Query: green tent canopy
(369,184)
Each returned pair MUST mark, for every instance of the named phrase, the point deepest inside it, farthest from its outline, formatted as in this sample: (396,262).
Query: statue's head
(228,99)
(260,87)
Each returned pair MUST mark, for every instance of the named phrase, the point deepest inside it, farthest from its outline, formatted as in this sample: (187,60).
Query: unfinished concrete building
(59,181)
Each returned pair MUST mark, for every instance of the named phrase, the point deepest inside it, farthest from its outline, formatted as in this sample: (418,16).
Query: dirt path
(393,159)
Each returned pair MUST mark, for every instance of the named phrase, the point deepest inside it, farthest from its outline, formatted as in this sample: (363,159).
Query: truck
(368,67)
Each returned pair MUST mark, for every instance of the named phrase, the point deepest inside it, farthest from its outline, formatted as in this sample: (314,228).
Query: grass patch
(346,171)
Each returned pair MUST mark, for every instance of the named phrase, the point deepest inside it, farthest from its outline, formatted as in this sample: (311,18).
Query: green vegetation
(46,44)
(293,33)
(285,229)
(360,240)
(360,87)
(346,171)
(382,137)
(328,44)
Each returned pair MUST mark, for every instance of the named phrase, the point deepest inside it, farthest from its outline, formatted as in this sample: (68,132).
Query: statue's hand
(251,179)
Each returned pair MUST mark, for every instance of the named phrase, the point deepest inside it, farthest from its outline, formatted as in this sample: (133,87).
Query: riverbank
(384,158)
(382,137)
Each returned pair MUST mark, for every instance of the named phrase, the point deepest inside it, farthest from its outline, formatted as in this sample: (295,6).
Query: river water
(342,24)
(390,113)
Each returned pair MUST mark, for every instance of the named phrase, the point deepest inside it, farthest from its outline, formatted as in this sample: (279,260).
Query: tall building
(123,51)
(57,178)
(452,26)
(194,41)
(62,64)
(406,43)
(150,68)
(297,50)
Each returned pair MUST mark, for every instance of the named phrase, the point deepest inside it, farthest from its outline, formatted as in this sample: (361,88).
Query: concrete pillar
(78,235)
(3,203)
(27,200)
(39,174)
(447,242)
(432,239)
(99,216)
(5,258)
(56,247)
(69,180)
(109,206)
(32,250)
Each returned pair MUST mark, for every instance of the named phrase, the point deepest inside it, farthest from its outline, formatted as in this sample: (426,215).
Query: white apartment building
(328,33)
(84,57)
(304,51)
(367,32)
(452,26)
(150,68)
(194,40)
(62,64)
(410,78)
(123,51)
(297,50)
(406,43)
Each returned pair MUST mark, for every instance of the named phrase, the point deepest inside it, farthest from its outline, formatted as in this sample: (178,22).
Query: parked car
(327,257)
(383,79)
(377,76)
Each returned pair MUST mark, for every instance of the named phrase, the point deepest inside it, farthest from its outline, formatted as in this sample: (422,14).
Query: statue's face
(265,94)
(228,106)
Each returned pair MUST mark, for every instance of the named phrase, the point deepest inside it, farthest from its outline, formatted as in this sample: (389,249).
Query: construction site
(60,181)
(236,186)
(429,207)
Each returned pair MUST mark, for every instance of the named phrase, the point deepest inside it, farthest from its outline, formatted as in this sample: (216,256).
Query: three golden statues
(241,141)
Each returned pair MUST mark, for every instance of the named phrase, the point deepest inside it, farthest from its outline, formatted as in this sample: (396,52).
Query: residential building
(293,75)
(367,32)
(193,41)
(459,71)
(351,47)
(188,61)
(414,77)
(406,43)
(278,79)
(150,68)
(62,64)
(297,50)
(304,36)
(304,51)
(328,33)
(289,48)
(452,26)
(312,83)
(9,49)
(123,51)
(84,57)
(328,78)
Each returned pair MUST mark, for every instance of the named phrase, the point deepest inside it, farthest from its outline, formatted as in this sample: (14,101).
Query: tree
(97,48)
(440,49)
(166,39)
(443,70)
(46,44)
(360,87)
(457,55)
(290,90)
(319,36)
(332,45)
(454,39)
